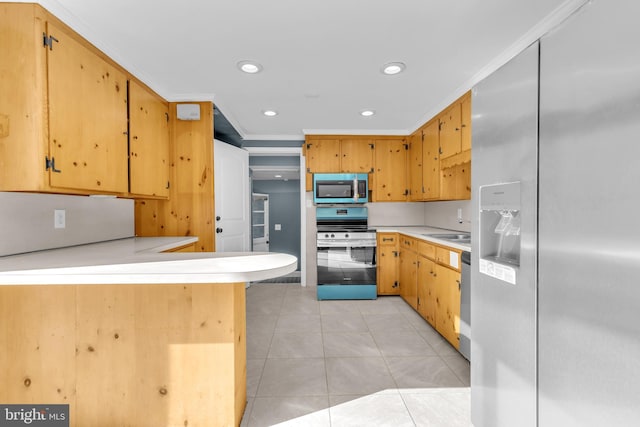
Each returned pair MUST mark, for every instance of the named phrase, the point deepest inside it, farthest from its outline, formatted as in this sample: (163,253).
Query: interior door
(260,222)
(232,197)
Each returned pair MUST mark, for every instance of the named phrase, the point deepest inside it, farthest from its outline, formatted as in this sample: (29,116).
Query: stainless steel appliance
(340,188)
(346,254)
(465,306)
(555,267)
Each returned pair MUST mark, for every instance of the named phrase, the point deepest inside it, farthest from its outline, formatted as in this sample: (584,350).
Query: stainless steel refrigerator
(555,297)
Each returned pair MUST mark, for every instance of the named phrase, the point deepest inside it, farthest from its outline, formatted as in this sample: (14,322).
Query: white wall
(445,215)
(28,221)
(396,214)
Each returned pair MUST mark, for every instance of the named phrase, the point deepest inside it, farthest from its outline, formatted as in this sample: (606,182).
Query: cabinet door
(448,304)
(391,171)
(462,181)
(408,277)
(87,118)
(357,155)
(431,161)
(465,125)
(388,270)
(323,155)
(148,142)
(427,290)
(450,131)
(416,189)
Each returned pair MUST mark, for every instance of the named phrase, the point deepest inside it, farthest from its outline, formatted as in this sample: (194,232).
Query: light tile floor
(348,363)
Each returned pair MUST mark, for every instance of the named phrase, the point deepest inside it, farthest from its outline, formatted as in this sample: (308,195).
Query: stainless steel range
(346,254)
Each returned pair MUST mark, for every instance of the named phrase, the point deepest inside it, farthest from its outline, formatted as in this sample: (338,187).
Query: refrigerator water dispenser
(500,230)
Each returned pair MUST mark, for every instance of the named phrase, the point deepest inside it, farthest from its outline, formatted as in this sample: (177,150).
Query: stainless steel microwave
(340,188)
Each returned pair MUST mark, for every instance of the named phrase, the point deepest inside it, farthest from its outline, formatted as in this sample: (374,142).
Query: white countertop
(419,233)
(139,260)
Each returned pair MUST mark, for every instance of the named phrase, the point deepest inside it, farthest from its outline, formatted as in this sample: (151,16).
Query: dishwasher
(465,306)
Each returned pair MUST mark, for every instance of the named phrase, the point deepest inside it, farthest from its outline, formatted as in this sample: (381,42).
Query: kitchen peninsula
(127,334)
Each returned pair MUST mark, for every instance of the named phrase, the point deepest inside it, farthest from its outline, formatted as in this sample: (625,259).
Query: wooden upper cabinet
(87,117)
(356,155)
(465,109)
(23,137)
(323,155)
(416,189)
(451,131)
(431,161)
(148,142)
(391,171)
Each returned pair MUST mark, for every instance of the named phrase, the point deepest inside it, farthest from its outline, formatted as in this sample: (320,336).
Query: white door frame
(292,151)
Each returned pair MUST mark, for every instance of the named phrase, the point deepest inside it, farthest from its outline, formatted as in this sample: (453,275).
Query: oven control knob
(346,236)
(333,235)
(326,236)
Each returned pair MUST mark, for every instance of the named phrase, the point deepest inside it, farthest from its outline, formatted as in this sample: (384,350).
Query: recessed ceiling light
(393,68)
(270,113)
(249,67)
(278,176)
(367,113)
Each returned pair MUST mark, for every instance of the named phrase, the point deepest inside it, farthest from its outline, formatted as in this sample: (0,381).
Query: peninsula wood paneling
(190,208)
(139,355)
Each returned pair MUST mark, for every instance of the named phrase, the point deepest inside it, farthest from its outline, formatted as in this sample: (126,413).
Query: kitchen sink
(452,237)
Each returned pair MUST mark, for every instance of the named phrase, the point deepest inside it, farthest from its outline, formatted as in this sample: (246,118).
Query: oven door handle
(351,244)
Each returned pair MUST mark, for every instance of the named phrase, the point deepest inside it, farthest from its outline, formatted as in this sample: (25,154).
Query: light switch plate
(278,227)
(59,218)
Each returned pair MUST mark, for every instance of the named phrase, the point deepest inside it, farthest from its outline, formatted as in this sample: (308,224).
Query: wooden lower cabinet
(429,280)
(427,289)
(447,317)
(409,271)
(387,264)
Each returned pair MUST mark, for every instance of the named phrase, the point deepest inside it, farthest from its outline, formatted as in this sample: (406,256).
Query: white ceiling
(321,59)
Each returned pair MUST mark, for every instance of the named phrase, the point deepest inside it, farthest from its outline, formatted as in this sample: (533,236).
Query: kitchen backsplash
(396,214)
(33,222)
(434,214)
(445,215)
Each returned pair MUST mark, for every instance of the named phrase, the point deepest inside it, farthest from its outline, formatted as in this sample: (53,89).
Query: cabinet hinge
(422,136)
(395,284)
(168,185)
(406,146)
(308,146)
(308,170)
(48,41)
(167,116)
(395,254)
(439,150)
(50,164)
(440,125)
(372,146)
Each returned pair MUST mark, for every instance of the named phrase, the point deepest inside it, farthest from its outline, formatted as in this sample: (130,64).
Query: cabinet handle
(387,239)
(218,230)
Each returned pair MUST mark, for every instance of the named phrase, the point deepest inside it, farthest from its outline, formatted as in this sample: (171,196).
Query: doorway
(279,173)
(260,222)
